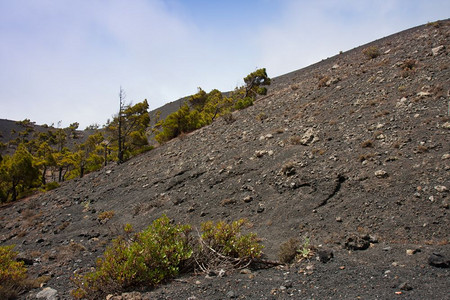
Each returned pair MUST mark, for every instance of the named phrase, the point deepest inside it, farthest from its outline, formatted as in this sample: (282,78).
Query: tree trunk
(43,175)
(60,174)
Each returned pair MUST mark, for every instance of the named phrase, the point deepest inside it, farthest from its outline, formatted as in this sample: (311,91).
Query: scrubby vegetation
(203,108)
(12,273)
(40,159)
(371,52)
(160,252)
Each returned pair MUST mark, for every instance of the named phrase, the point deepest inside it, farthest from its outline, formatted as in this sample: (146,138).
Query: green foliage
(203,108)
(255,82)
(183,120)
(243,103)
(134,122)
(227,239)
(152,256)
(17,173)
(12,273)
(157,254)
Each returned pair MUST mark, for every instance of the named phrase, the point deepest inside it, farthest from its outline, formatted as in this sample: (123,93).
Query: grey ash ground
(352,152)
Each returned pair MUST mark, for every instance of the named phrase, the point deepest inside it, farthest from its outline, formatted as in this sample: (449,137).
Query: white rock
(48,294)
(440,188)
(446,156)
(423,94)
(436,50)
(446,125)
(381,174)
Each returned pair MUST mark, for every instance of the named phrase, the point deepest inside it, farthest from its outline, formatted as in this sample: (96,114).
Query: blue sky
(66,60)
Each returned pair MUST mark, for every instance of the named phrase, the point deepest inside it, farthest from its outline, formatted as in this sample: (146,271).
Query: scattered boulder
(356,242)
(325,255)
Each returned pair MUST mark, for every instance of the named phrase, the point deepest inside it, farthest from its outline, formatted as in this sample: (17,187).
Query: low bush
(227,239)
(150,257)
(12,273)
(371,52)
(159,253)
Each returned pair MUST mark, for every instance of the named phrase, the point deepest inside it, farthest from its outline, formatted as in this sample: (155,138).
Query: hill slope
(345,149)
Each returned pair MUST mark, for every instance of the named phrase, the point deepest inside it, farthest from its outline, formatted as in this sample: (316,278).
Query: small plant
(12,273)
(435,24)
(86,205)
(105,216)
(306,251)
(371,52)
(227,239)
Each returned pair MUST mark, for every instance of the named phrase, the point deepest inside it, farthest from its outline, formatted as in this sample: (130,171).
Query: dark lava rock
(325,255)
(355,242)
(439,260)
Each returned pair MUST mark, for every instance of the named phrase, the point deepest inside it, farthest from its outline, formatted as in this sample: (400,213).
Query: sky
(66,60)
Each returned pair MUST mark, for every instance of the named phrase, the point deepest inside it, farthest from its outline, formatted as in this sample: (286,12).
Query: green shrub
(227,239)
(12,273)
(243,103)
(159,253)
(152,256)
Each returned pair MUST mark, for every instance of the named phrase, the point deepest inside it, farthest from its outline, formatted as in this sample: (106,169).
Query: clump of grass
(105,216)
(371,52)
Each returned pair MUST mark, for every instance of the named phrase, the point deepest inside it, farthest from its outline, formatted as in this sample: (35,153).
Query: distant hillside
(11,130)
